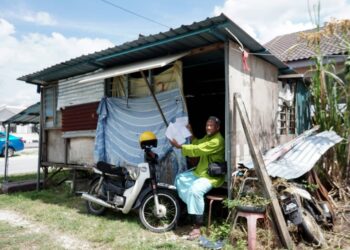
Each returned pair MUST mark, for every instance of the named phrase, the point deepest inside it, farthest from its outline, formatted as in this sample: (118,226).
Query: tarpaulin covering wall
(122,121)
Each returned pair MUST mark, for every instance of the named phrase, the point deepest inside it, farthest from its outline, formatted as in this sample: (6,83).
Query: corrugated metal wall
(80,117)
(70,92)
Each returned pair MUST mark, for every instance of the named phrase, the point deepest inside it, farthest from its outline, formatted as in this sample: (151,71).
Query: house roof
(8,111)
(291,47)
(198,34)
(26,116)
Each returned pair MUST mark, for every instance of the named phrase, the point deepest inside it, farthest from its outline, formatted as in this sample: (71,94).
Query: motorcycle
(127,188)
(303,213)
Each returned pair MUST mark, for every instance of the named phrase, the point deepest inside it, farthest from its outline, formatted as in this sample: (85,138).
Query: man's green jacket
(209,149)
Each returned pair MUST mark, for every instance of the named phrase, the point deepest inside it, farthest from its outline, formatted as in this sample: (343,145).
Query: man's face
(211,127)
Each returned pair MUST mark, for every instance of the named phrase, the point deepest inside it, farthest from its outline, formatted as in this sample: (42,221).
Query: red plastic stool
(251,218)
(211,199)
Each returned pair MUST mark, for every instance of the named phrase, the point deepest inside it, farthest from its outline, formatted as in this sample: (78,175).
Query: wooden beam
(260,169)
(67,166)
(206,49)
(154,97)
(233,149)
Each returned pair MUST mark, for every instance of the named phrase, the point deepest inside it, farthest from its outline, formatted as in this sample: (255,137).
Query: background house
(28,132)
(293,50)
(5,113)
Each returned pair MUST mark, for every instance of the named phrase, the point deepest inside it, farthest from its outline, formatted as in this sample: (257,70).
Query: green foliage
(220,231)
(310,186)
(330,92)
(241,244)
(250,199)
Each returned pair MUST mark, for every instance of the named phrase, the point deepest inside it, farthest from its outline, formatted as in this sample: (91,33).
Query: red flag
(245,61)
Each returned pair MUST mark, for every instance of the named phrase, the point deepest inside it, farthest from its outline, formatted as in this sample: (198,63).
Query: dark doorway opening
(204,89)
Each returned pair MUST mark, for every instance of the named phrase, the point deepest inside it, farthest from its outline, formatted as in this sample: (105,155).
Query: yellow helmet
(148,139)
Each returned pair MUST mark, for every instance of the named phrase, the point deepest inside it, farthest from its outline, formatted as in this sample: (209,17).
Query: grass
(61,212)
(13,237)
(19,177)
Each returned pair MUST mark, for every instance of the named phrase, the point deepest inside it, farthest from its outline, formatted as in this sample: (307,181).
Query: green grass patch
(16,237)
(20,177)
(59,210)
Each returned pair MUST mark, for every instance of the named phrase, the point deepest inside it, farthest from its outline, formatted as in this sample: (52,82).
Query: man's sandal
(194,234)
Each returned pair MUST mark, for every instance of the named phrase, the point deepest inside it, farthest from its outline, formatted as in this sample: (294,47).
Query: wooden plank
(18,186)
(154,97)
(260,169)
(206,49)
(41,145)
(234,149)
(68,166)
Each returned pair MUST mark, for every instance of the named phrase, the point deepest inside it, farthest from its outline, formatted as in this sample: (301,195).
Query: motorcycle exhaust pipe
(91,198)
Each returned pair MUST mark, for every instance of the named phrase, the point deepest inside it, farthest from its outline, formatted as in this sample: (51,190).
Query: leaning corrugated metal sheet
(303,156)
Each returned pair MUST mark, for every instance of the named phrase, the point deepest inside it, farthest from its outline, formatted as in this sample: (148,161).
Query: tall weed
(330,91)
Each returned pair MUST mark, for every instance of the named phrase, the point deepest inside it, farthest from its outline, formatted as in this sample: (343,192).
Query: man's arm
(203,148)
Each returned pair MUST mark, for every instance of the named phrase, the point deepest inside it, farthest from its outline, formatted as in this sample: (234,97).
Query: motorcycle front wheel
(311,231)
(166,218)
(92,207)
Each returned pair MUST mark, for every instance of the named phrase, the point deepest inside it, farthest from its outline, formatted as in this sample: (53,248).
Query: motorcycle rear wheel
(170,214)
(311,231)
(92,207)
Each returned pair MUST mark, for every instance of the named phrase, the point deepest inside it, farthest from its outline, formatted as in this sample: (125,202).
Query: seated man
(192,185)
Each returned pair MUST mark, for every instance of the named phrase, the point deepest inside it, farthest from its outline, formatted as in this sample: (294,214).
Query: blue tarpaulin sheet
(121,121)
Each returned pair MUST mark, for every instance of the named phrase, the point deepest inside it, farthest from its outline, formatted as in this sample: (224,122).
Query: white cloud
(40,18)
(265,20)
(6,28)
(34,52)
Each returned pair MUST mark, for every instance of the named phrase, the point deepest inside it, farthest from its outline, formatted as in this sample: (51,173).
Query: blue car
(15,144)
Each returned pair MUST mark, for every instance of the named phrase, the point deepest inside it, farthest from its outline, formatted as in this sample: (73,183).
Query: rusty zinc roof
(302,157)
(291,47)
(184,38)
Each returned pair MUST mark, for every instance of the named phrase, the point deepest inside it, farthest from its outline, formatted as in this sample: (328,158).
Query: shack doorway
(204,89)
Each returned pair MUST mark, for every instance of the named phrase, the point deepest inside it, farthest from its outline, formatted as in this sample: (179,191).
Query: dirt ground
(339,238)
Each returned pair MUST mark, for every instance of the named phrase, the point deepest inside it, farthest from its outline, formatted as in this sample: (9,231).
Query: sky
(36,34)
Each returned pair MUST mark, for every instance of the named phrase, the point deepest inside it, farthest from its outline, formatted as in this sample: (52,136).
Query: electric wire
(156,22)
(134,13)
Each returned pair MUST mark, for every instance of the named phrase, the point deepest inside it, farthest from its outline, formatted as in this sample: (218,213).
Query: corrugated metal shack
(213,67)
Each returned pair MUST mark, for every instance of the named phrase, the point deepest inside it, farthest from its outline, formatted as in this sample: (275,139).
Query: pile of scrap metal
(305,202)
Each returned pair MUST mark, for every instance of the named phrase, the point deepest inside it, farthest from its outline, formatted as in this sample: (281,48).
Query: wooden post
(347,173)
(74,181)
(6,152)
(154,97)
(260,169)
(41,134)
(233,148)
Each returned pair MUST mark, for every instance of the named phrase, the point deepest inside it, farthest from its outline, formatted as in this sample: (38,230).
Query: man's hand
(189,127)
(175,144)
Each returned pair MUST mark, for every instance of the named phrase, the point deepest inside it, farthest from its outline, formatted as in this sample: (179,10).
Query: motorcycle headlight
(133,172)
(283,197)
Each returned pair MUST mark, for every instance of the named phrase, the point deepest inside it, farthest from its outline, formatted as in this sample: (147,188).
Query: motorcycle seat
(110,169)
